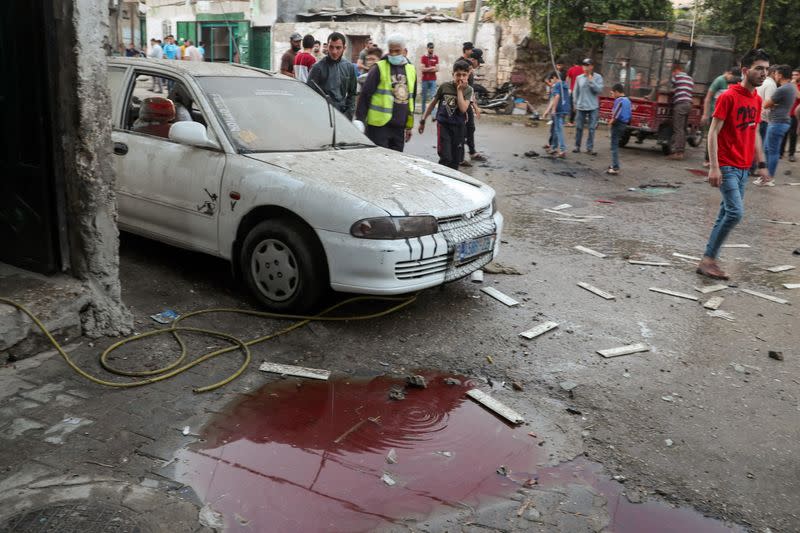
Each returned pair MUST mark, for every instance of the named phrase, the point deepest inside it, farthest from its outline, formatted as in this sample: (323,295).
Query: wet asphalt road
(707,384)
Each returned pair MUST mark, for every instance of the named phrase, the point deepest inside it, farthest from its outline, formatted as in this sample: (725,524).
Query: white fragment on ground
(765,296)
(594,290)
(560,207)
(444,454)
(668,442)
(736,246)
(541,329)
(589,251)
(684,256)
(713,303)
(496,406)
(711,288)
(59,431)
(499,296)
(186,430)
(391,457)
(624,350)
(675,294)
(477,276)
(208,517)
(780,268)
(649,263)
(668,399)
(791,285)
(719,313)
(386,478)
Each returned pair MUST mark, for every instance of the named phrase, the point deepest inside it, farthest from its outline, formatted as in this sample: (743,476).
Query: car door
(166,190)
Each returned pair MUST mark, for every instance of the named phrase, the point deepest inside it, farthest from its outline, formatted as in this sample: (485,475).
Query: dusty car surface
(258,169)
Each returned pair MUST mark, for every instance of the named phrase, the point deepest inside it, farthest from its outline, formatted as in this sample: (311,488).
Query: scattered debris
(497,268)
(791,285)
(620,479)
(649,263)
(736,246)
(165,317)
(698,171)
(499,296)
(444,453)
(660,185)
(719,313)
(397,394)
(299,371)
(784,222)
(477,276)
(186,430)
(778,356)
(713,303)
(452,381)
(242,520)
(603,201)
(502,470)
(590,251)
(711,288)
(669,399)
(391,457)
(490,359)
(571,219)
(417,381)
(780,268)
(386,478)
(765,296)
(517,386)
(684,256)
(494,405)
(541,329)
(573,411)
(739,368)
(568,386)
(674,293)
(668,442)
(208,517)
(599,292)
(560,207)
(624,350)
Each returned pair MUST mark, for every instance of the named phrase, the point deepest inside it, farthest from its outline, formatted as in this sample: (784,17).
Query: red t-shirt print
(741,111)
(429,61)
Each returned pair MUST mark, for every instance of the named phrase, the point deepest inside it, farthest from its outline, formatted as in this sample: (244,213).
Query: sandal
(713,273)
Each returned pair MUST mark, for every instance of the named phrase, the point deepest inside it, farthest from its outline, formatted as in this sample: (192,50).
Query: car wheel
(283,265)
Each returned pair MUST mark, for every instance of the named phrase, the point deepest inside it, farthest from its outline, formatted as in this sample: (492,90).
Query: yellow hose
(177,366)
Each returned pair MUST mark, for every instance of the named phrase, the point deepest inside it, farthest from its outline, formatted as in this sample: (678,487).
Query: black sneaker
(576,151)
(591,152)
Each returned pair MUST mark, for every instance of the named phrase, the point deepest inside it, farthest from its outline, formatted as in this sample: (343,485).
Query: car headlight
(394,227)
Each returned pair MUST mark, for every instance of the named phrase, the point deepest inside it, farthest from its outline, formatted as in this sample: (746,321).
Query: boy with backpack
(620,118)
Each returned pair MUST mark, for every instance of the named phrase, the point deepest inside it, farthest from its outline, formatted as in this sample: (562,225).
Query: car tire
(283,265)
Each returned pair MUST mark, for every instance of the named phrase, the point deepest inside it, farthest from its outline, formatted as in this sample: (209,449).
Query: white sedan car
(257,168)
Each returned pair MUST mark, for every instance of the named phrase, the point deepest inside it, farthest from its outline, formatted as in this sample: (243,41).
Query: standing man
(586,99)
(474,112)
(333,76)
(732,141)
(201,47)
(316,50)
(287,60)
(156,52)
(765,92)
(304,61)
(791,136)
(191,53)
(779,105)
(171,49)
(682,89)
(362,57)
(572,76)
(719,84)
(386,103)
(430,66)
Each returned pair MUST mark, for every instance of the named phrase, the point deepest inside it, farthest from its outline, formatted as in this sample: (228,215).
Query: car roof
(197,68)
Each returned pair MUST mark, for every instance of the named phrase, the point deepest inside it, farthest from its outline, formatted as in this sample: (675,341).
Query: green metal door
(187,30)
(260,41)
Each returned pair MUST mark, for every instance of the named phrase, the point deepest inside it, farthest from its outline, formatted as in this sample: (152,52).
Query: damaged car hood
(396,183)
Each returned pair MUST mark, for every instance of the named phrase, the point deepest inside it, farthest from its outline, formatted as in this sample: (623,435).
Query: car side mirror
(360,126)
(191,133)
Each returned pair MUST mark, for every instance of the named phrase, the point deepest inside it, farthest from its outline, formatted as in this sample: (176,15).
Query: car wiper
(344,144)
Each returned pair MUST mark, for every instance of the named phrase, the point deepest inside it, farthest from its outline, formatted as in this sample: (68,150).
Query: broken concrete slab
(780,268)
(713,303)
(791,285)
(624,350)
(711,288)
(599,292)
(299,371)
(675,293)
(719,313)
(541,329)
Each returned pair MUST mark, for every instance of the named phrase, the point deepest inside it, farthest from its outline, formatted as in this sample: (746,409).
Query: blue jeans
(762,131)
(559,142)
(617,129)
(428,92)
(731,209)
(591,118)
(772,145)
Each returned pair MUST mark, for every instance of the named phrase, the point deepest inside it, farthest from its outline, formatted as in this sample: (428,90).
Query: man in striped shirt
(682,88)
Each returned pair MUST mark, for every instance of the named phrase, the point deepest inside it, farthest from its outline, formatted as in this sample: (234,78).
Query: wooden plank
(590,251)
(496,406)
(780,268)
(784,222)
(571,219)
(674,293)
(541,329)
(649,263)
(794,184)
(299,371)
(765,296)
(601,293)
(497,295)
(556,213)
(736,246)
(624,350)
(713,303)
(791,285)
(684,256)
(560,207)
(711,288)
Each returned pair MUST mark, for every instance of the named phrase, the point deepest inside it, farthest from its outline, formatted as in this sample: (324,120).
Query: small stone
(778,356)
(452,381)
(502,470)
(388,480)
(568,385)
(739,368)
(516,386)
(750,475)
(619,478)
(417,381)
(533,515)
(391,457)
(397,394)
(668,398)
(668,442)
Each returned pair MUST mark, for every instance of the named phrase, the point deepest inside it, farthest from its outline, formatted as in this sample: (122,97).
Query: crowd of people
(380,90)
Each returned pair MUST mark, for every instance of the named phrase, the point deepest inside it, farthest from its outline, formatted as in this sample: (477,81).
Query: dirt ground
(704,419)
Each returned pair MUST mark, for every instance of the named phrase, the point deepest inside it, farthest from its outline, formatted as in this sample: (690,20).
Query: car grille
(454,229)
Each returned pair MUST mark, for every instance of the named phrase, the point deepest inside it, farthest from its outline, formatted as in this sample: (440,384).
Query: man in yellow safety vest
(386,102)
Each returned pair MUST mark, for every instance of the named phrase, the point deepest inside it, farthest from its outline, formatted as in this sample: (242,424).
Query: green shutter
(260,48)
(186,30)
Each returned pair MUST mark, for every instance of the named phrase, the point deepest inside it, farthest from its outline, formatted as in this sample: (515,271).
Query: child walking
(620,118)
(453,99)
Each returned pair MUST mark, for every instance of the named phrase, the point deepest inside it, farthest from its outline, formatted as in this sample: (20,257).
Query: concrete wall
(448,38)
(259,12)
(84,108)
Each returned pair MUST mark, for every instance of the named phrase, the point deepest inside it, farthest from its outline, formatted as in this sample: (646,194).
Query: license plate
(468,249)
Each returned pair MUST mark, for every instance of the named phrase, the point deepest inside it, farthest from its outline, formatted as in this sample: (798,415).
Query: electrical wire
(178,366)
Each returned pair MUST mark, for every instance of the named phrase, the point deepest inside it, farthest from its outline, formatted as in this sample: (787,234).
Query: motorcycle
(501,100)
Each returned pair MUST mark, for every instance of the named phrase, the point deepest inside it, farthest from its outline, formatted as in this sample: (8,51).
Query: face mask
(397,60)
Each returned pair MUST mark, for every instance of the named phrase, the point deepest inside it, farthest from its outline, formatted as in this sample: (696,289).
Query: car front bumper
(386,267)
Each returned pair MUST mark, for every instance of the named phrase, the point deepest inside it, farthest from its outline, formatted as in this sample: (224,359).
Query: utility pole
(478,6)
(760,20)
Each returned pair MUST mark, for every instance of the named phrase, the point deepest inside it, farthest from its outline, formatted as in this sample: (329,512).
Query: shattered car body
(257,169)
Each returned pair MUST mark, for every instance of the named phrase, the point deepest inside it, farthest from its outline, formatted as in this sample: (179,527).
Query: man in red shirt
(572,75)
(732,141)
(430,66)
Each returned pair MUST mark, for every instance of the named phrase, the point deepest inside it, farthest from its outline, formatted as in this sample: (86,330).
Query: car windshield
(278,115)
